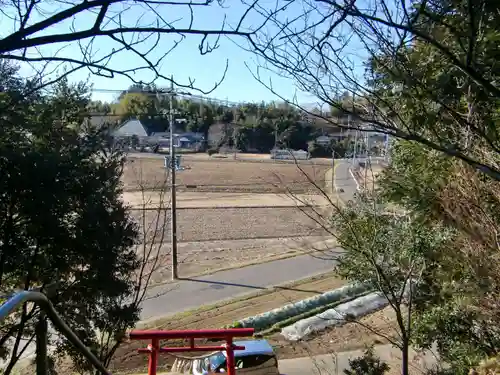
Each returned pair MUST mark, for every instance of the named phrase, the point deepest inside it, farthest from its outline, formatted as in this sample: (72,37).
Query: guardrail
(41,330)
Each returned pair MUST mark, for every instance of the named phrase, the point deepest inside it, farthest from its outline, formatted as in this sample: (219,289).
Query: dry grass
(227,176)
(128,360)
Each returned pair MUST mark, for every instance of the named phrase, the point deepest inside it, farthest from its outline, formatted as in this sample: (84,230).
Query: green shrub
(212,151)
(368,364)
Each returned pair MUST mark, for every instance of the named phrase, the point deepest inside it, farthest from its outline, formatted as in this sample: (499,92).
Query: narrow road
(198,291)
(343,180)
(336,363)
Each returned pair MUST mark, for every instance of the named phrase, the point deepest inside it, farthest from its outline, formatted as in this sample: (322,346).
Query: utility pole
(355,140)
(355,134)
(173,205)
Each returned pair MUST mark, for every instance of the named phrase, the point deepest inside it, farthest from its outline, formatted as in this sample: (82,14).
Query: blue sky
(185,61)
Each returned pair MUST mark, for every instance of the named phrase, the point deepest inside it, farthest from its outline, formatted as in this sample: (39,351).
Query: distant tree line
(247,127)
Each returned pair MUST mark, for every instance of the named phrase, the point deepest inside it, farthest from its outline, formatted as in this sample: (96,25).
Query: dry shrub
(471,203)
(491,366)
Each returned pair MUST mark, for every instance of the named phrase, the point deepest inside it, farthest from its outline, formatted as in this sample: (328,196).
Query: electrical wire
(161,91)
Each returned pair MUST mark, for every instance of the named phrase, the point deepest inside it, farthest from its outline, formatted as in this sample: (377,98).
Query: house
(187,140)
(151,132)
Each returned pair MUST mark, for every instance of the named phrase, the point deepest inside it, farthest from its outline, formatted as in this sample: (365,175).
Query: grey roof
(154,125)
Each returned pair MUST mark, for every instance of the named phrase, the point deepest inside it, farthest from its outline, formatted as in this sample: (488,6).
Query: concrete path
(336,363)
(202,290)
(152,199)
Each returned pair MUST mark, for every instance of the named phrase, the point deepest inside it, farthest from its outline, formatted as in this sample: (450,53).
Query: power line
(162,91)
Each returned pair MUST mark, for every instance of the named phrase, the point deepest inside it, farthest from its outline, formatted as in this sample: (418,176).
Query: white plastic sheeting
(269,318)
(356,308)
(182,366)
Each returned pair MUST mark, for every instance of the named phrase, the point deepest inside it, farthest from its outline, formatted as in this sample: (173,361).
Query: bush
(212,151)
(369,364)
(312,148)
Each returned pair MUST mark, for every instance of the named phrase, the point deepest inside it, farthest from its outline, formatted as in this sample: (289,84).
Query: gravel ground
(208,224)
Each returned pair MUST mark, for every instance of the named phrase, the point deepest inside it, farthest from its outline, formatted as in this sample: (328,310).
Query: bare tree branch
(326,49)
(38,24)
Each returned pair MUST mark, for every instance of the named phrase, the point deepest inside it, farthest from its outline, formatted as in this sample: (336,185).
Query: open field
(208,224)
(197,258)
(128,360)
(225,176)
(224,229)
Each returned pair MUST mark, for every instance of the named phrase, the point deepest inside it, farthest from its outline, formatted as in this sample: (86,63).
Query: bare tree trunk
(405,352)
(41,345)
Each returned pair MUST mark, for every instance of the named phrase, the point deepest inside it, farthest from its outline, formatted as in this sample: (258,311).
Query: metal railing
(41,329)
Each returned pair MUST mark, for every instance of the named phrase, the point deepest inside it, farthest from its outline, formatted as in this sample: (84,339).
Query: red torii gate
(224,334)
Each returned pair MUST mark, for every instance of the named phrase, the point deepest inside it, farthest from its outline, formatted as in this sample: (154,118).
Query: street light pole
(173,205)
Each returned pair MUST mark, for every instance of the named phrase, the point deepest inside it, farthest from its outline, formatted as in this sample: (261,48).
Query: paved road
(336,363)
(344,180)
(202,290)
